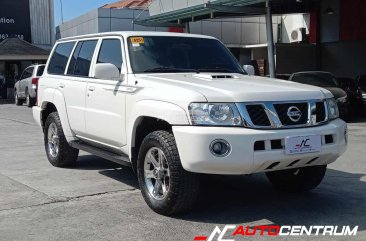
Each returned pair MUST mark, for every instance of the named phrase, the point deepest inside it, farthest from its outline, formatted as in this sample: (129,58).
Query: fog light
(220,148)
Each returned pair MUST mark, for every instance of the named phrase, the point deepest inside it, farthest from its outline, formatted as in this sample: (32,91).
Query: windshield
(317,79)
(157,54)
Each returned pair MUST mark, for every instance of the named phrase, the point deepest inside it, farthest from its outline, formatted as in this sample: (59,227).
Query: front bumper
(193,145)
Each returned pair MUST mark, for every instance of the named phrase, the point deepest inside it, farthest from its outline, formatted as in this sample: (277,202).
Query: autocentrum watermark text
(234,232)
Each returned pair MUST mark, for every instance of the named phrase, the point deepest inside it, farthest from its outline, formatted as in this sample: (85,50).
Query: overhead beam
(234,9)
(158,24)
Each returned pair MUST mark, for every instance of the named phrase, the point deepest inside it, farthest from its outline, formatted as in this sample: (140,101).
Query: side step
(120,159)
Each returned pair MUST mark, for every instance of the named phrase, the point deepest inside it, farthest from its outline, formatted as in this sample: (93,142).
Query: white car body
(107,113)
(24,86)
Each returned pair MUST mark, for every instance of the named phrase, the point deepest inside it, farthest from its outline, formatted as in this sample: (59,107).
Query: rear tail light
(35,81)
(35,87)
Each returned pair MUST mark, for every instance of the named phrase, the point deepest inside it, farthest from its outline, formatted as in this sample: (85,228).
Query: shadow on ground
(339,200)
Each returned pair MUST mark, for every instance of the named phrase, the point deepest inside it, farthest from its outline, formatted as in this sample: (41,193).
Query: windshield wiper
(166,70)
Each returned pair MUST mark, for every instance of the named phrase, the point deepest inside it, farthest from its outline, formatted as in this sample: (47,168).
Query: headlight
(333,111)
(214,114)
(342,100)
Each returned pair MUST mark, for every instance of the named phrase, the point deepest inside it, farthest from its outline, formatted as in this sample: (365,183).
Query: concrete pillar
(270,41)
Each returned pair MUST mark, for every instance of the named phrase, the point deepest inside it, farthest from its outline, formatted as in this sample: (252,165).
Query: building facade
(26,36)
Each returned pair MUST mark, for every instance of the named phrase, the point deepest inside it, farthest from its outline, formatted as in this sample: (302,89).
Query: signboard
(15,19)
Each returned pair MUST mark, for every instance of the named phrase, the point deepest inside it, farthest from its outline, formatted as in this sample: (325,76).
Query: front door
(105,113)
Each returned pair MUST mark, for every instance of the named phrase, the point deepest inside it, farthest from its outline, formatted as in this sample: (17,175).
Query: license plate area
(302,144)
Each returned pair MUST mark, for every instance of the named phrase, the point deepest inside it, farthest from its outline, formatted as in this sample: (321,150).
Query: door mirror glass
(107,71)
(249,69)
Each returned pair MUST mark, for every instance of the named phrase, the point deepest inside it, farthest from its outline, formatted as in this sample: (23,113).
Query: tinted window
(180,54)
(111,52)
(60,57)
(40,70)
(27,73)
(84,55)
(73,59)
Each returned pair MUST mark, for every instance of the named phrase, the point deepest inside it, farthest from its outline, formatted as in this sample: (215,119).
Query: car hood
(337,92)
(236,87)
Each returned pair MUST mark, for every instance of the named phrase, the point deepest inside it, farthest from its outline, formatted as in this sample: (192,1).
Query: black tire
(297,180)
(29,101)
(183,185)
(66,155)
(18,101)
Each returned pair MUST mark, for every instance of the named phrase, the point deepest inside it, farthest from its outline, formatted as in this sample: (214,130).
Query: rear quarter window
(40,70)
(60,57)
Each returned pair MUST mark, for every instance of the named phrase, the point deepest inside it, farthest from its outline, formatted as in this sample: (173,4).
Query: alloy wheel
(157,173)
(53,140)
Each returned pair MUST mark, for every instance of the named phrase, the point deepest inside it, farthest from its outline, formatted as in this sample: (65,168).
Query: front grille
(283,109)
(283,115)
(258,115)
(320,112)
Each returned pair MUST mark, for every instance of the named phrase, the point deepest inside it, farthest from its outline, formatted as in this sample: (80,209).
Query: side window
(27,73)
(81,59)
(60,57)
(40,70)
(23,74)
(111,52)
(71,68)
(30,72)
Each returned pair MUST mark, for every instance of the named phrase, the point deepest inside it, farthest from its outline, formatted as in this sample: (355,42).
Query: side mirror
(249,69)
(107,71)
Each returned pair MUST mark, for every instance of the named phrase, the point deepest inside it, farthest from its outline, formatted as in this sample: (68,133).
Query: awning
(14,48)
(176,18)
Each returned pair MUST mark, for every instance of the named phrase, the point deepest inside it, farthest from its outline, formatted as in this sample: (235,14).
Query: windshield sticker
(136,41)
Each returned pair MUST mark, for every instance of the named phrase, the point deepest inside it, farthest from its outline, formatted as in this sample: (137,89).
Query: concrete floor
(98,200)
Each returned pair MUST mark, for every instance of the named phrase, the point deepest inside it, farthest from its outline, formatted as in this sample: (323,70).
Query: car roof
(35,65)
(313,72)
(127,34)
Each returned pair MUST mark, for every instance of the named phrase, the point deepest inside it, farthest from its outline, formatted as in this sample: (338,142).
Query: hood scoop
(215,76)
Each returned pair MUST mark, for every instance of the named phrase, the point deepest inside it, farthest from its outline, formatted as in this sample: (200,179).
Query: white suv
(173,106)
(25,89)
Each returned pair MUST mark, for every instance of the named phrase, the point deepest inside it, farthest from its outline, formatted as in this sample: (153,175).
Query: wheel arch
(149,116)
(56,102)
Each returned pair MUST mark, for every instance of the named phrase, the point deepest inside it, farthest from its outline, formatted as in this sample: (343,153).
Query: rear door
(69,67)
(105,102)
(25,79)
(75,83)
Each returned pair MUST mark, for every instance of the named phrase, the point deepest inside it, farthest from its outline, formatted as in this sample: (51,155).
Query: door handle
(91,88)
(61,85)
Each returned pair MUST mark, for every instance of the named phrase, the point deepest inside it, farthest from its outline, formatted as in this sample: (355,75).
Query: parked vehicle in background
(361,83)
(130,97)
(327,81)
(25,89)
(283,76)
(354,93)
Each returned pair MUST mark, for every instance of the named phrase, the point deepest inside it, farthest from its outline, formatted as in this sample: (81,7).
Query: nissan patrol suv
(174,106)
